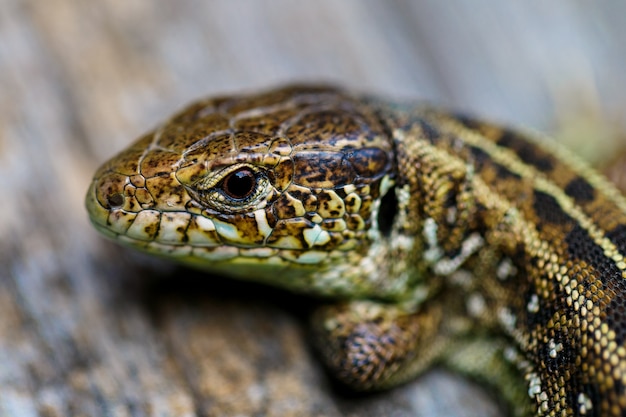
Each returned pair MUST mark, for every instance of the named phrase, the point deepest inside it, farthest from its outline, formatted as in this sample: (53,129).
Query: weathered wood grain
(89,329)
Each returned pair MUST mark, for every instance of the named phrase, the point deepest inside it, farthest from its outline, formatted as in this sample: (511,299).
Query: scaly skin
(441,238)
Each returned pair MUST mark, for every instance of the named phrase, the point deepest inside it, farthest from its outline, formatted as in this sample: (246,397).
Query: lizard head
(283,187)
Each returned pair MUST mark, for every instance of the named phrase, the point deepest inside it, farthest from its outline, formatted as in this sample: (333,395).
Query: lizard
(432,237)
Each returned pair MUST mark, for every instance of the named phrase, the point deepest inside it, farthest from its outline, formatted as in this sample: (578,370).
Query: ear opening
(387,212)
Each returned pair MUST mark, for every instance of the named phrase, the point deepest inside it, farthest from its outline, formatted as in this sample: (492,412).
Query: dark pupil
(240,184)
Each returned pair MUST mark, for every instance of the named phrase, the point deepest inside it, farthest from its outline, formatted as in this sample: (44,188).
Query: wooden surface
(90,329)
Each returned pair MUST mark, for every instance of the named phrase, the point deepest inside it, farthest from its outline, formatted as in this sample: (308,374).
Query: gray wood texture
(88,328)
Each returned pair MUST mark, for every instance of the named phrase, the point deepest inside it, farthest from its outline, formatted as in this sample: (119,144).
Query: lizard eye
(234,189)
(239,184)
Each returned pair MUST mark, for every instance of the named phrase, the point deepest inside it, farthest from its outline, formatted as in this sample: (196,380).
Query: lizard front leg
(369,346)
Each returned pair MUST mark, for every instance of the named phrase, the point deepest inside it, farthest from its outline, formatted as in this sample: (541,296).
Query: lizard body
(442,239)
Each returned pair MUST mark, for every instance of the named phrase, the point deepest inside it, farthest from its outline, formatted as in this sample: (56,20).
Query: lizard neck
(531,238)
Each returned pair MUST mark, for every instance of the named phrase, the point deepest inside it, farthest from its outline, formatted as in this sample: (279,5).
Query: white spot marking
(468,248)
(511,355)
(311,257)
(534,385)
(385,184)
(507,318)
(476,305)
(555,348)
(374,232)
(402,242)
(505,269)
(316,236)
(533,304)
(177,251)
(258,252)
(316,218)
(227,230)
(451,215)
(584,403)
(434,252)
(205,224)
(261,220)
(221,253)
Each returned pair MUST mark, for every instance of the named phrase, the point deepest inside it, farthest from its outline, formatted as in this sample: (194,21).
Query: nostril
(115,200)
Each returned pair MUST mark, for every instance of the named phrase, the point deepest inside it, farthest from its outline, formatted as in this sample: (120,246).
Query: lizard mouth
(189,238)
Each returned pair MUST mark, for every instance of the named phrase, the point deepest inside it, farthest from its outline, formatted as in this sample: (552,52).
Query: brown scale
(268,123)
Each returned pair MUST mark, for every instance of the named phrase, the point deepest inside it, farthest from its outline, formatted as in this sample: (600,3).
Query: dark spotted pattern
(548,209)
(580,190)
(528,153)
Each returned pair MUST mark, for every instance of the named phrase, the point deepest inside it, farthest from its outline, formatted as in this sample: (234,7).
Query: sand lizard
(440,238)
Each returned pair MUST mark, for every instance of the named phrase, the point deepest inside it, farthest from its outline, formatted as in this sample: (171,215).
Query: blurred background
(89,329)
